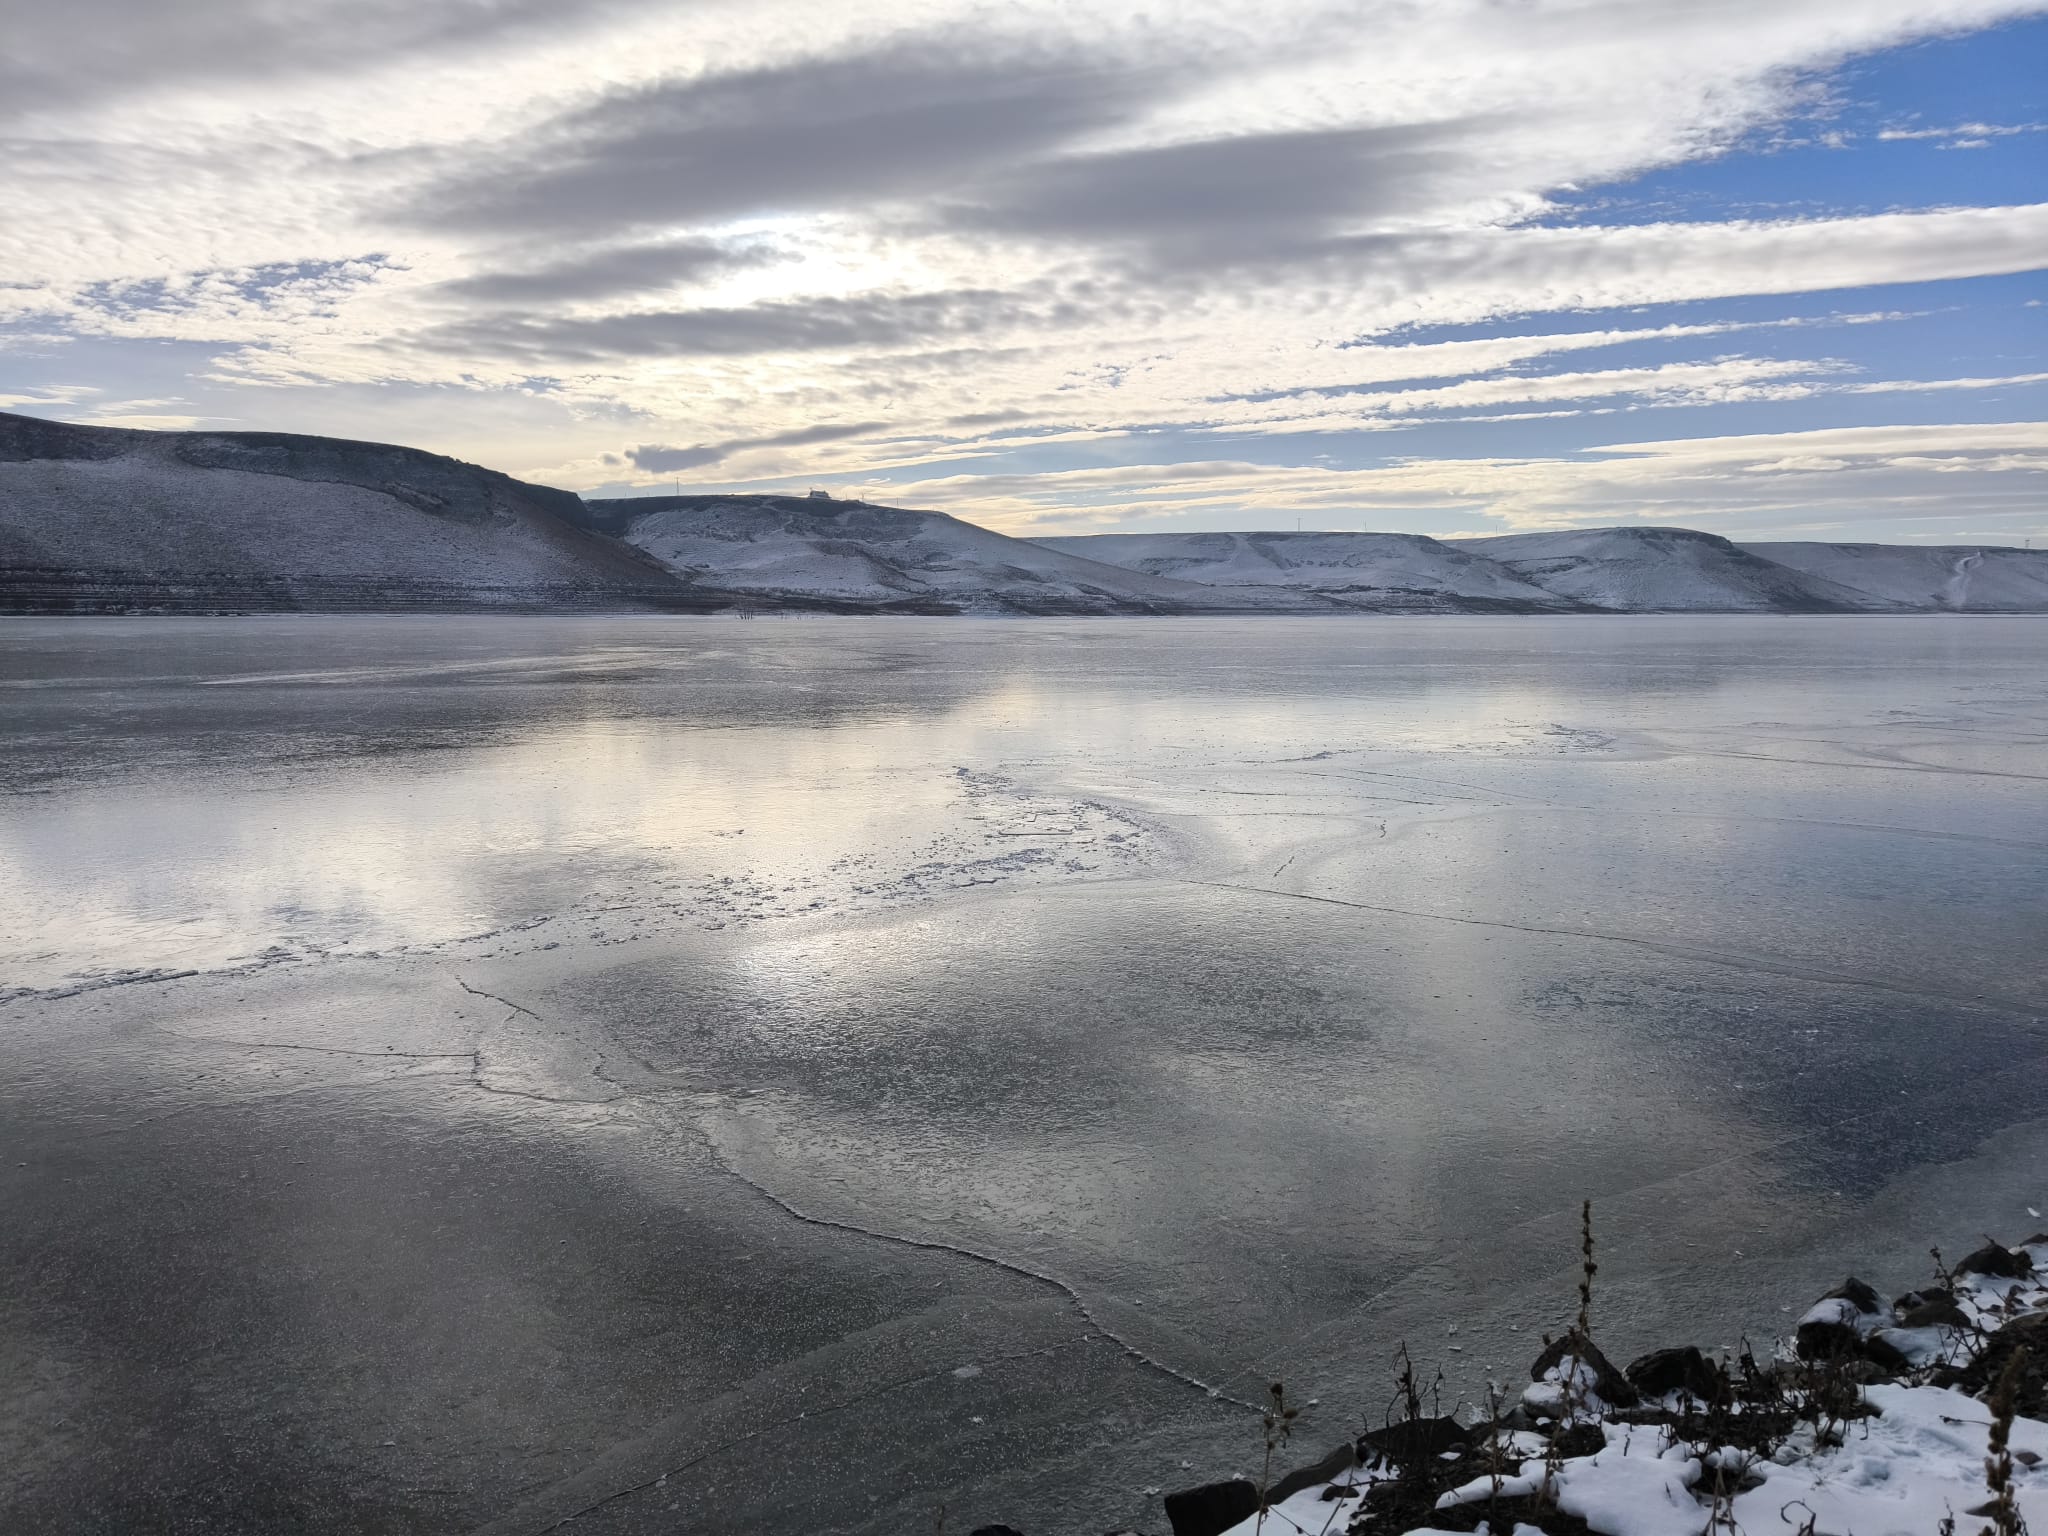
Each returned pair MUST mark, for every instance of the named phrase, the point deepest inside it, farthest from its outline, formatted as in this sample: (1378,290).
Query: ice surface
(614,1004)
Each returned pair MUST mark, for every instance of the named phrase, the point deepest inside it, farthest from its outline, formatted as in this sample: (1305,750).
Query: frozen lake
(780,1076)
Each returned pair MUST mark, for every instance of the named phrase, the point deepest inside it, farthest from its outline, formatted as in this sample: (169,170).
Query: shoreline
(1873,1417)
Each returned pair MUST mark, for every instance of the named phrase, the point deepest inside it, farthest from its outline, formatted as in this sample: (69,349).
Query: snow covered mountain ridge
(107,519)
(1631,569)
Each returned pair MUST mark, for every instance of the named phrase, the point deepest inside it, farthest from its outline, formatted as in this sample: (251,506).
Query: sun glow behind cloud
(1062,267)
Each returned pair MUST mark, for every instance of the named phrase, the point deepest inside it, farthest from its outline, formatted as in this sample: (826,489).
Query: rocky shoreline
(1923,1416)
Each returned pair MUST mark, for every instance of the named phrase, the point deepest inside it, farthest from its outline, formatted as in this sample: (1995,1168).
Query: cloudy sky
(1767,267)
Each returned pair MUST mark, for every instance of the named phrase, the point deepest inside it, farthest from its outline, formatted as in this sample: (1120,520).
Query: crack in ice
(995,1261)
(1723,957)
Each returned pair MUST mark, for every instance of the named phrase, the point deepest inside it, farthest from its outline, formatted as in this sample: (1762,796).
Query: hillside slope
(1948,578)
(888,558)
(1667,570)
(104,518)
(1376,572)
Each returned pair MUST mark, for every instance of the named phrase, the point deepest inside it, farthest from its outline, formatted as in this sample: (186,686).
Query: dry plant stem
(1587,1269)
(1496,1458)
(1278,1423)
(1582,1333)
(2005,1511)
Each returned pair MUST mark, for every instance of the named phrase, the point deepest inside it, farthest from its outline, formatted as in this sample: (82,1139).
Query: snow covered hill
(1377,572)
(103,518)
(97,519)
(891,559)
(1955,578)
(1668,570)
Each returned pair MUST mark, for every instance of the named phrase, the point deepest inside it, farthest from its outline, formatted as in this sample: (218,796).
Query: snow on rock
(1391,572)
(116,517)
(852,552)
(1667,570)
(1950,578)
(1828,1446)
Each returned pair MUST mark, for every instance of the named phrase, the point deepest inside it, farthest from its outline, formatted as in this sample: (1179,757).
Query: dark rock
(1413,1440)
(995,1530)
(1211,1509)
(1676,1370)
(1579,1440)
(1612,1386)
(1541,1514)
(1999,1263)
(1835,1337)
(1338,1462)
(1338,1491)
(1929,1309)
(1884,1354)
(1825,1339)
(1863,1297)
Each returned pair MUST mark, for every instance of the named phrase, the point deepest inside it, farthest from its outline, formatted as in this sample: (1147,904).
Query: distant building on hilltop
(817,495)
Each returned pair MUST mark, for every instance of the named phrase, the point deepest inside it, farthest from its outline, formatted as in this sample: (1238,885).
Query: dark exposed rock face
(1665,1371)
(1415,1439)
(1612,1386)
(1212,1508)
(1334,1465)
(1929,1309)
(1998,1262)
(1864,1297)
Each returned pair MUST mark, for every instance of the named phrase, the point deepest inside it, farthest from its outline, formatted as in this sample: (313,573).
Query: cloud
(1978,131)
(1248,197)
(658,460)
(812,134)
(610,272)
(50,396)
(1114,229)
(71,54)
(1935,473)
(1914,386)
(867,323)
